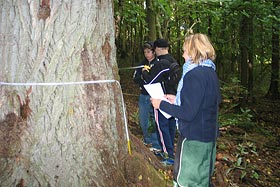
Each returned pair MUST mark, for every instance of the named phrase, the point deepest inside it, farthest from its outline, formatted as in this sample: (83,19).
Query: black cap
(161,43)
(149,45)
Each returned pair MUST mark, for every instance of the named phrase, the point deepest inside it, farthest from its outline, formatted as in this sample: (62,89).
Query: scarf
(188,66)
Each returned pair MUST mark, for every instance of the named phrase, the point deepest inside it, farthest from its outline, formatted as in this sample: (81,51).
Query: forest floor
(246,155)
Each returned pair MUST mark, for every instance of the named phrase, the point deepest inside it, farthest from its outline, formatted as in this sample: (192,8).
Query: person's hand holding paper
(156,92)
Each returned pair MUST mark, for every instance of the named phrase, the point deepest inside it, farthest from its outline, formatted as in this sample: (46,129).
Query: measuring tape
(75,83)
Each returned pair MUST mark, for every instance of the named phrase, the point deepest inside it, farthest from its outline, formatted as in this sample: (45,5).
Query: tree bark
(273,91)
(60,135)
(244,56)
(251,59)
(151,20)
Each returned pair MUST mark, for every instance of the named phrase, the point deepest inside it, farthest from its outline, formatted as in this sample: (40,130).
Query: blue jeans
(146,117)
(167,131)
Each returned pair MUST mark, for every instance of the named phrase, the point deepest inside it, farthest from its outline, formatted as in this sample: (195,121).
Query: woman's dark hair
(149,45)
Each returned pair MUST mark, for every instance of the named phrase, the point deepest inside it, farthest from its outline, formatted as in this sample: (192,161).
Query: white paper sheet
(155,91)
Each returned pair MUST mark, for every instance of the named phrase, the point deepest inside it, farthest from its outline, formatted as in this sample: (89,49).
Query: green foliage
(232,91)
(242,163)
(135,117)
(222,146)
(243,119)
(262,72)
(246,148)
(152,126)
(131,11)
(230,112)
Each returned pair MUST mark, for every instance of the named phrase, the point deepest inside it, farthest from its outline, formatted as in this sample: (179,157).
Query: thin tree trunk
(251,60)
(244,56)
(60,135)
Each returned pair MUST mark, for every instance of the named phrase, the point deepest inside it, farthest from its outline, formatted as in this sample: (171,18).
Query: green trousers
(194,163)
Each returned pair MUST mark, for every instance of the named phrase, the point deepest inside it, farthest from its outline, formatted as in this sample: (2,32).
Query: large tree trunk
(273,91)
(60,135)
(151,20)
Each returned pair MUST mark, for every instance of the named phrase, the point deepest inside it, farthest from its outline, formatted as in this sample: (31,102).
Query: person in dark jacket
(196,109)
(146,111)
(158,73)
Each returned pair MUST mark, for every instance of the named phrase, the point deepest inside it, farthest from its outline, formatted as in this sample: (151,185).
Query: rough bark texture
(273,91)
(60,135)
(151,21)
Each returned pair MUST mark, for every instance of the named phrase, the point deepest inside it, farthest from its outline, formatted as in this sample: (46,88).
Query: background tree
(60,135)
(151,20)
(273,91)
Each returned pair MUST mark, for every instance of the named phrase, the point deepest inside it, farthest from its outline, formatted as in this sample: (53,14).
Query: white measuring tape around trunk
(76,83)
